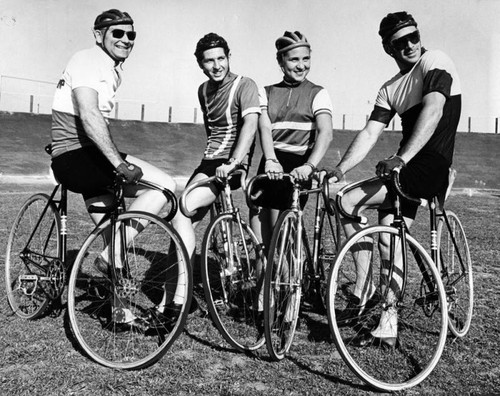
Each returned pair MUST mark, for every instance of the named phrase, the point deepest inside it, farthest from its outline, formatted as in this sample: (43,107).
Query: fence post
(469,122)
(31,103)
(343,122)
(496,125)
(117,105)
(195,115)
(169,113)
(142,112)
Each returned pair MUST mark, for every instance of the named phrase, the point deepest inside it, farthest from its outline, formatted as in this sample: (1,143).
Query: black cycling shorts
(277,194)
(425,176)
(208,167)
(85,171)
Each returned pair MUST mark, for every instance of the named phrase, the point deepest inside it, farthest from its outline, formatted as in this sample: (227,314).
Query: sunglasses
(400,43)
(119,33)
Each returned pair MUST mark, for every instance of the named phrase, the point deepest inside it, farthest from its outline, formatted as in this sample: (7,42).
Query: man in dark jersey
(426,95)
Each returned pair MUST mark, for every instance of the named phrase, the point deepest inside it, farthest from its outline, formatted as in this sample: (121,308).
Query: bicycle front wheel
(233,272)
(409,302)
(455,265)
(33,269)
(154,266)
(283,285)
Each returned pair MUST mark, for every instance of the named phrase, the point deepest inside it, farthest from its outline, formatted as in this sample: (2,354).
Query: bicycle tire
(421,324)
(282,286)
(155,259)
(330,240)
(455,265)
(233,287)
(29,260)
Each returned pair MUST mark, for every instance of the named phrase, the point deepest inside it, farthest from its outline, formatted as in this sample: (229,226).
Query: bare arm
(95,125)
(361,145)
(325,136)
(245,140)
(266,136)
(427,121)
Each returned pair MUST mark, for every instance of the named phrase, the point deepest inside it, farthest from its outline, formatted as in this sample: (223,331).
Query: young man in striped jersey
(295,131)
(230,106)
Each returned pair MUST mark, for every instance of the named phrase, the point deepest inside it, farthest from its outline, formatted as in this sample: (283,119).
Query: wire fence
(23,95)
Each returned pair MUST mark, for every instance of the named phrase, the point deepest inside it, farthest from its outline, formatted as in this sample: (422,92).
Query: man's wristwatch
(232,160)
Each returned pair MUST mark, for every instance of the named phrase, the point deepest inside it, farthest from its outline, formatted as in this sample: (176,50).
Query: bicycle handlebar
(393,179)
(397,187)
(118,197)
(316,175)
(203,182)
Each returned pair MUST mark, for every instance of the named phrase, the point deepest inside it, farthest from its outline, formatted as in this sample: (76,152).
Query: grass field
(42,358)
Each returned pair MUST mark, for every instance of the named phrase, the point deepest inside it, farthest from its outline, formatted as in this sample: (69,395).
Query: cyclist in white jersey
(426,95)
(84,157)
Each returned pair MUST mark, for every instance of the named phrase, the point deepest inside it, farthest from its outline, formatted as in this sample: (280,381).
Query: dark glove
(130,173)
(337,173)
(385,167)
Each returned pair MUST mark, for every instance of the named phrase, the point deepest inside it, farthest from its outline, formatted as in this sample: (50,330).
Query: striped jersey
(224,105)
(403,94)
(292,110)
(91,68)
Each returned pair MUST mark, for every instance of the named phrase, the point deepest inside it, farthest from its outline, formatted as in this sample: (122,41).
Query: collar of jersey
(294,84)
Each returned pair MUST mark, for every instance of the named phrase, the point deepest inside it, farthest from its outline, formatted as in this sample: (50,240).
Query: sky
(37,38)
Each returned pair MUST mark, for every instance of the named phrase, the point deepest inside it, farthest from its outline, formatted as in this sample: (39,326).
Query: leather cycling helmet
(112,17)
(393,22)
(209,41)
(291,40)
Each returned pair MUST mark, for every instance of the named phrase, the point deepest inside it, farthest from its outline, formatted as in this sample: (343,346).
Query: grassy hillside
(178,148)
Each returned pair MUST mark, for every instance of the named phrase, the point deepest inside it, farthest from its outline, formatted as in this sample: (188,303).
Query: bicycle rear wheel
(330,237)
(33,269)
(152,264)
(416,314)
(233,272)
(455,265)
(283,285)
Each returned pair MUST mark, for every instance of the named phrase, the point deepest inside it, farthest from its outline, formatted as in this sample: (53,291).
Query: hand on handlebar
(387,165)
(129,173)
(224,170)
(303,172)
(336,175)
(274,170)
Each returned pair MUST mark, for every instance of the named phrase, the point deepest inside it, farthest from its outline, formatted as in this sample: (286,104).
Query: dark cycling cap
(291,40)
(394,22)
(112,17)
(209,41)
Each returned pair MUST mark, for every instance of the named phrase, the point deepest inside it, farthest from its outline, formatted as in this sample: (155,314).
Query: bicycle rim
(233,273)
(153,263)
(32,250)
(456,269)
(417,315)
(283,286)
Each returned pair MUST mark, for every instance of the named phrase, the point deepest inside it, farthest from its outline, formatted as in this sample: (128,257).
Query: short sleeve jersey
(224,105)
(91,68)
(403,94)
(292,110)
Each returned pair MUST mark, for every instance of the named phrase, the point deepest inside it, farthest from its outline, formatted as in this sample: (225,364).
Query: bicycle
(419,309)
(293,269)
(36,276)
(232,267)
(111,309)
